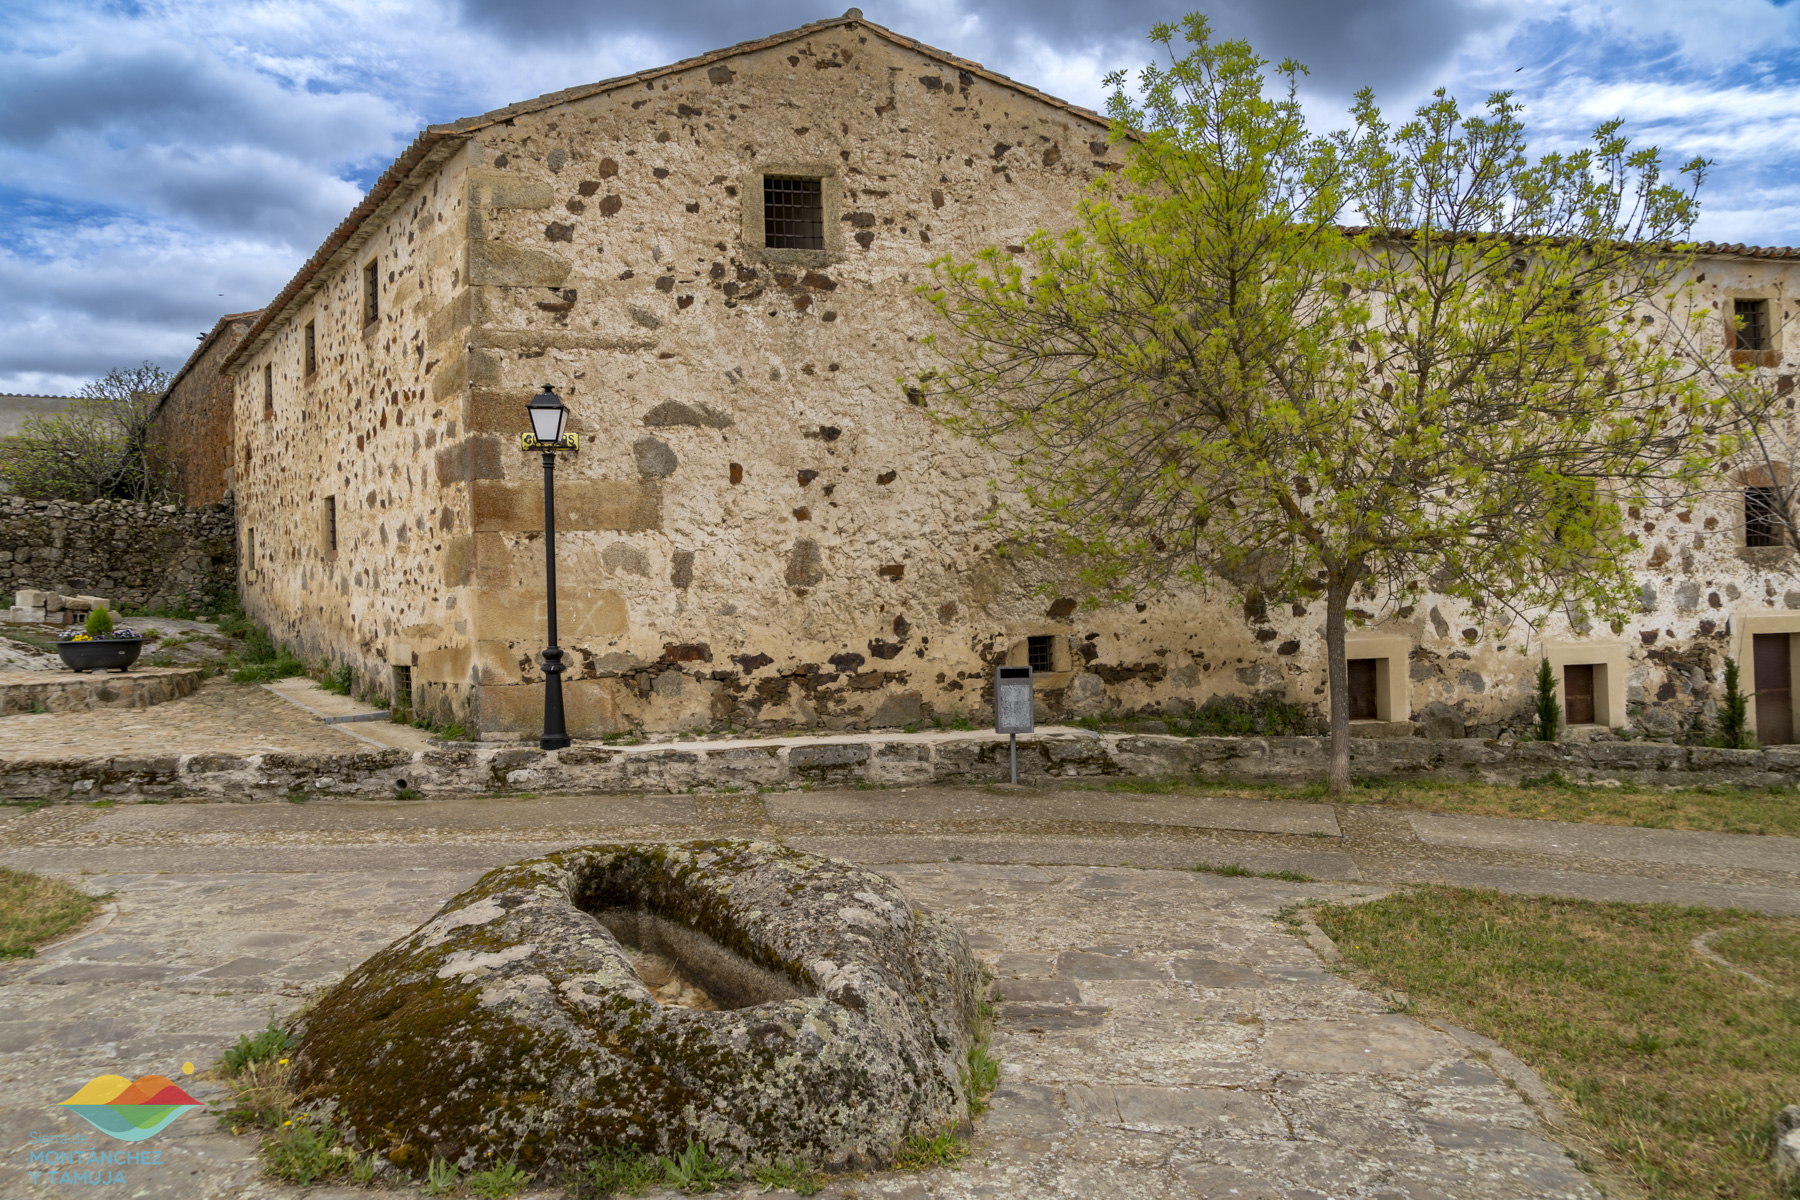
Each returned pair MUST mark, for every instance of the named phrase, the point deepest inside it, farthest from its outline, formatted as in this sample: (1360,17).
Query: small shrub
(621,1170)
(1734,713)
(272,1042)
(696,1170)
(1233,716)
(499,1181)
(923,1153)
(99,623)
(304,1153)
(1548,708)
(362,1169)
(440,1178)
(340,682)
(789,1175)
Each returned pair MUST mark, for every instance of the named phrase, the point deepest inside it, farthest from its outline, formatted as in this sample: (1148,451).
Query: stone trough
(768,1003)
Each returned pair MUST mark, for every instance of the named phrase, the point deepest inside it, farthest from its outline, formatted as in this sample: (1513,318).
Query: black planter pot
(100,655)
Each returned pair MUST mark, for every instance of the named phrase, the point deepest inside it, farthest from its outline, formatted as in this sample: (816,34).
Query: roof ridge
(429,137)
(851,17)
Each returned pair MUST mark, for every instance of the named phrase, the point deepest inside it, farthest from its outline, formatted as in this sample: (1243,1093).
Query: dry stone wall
(145,555)
(760,531)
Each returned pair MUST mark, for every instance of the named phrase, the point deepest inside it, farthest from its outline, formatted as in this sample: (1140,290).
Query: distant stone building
(195,418)
(715,263)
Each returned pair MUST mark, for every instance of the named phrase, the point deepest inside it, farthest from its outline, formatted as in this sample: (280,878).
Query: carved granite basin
(766,1002)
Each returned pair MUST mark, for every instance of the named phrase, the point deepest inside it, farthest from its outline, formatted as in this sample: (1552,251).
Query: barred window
(371,292)
(1040,653)
(1753,324)
(310,352)
(793,214)
(1762,516)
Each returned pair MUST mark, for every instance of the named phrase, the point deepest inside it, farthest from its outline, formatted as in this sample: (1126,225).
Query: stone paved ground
(1160,1034)
(221,718)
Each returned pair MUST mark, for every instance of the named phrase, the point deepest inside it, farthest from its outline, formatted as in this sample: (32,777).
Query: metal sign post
(1014,706)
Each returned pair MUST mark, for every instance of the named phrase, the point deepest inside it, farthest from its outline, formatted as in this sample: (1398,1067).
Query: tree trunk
(1337,601)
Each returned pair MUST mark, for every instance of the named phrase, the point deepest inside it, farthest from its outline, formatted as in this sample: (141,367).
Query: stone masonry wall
(195,419)
(760,532)
(147,556)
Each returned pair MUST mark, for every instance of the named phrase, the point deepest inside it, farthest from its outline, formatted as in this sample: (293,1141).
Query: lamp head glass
(549,415)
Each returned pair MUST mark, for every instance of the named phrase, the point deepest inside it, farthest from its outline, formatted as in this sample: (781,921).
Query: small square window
(371,293)
(1040,653)
(1752,332)
(310,351)
(268,388)
(331,524)
(1762,516)
(793,213)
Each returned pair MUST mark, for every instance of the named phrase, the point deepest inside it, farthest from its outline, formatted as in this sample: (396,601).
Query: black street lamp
(549,419)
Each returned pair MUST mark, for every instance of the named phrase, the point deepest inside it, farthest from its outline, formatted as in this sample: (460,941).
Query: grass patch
(621,1171)
(304,1153)
(1713,808)
(1239,870)
(983,1069)
(789,1175)
(920,1153)
(35,909)
(1674,1064)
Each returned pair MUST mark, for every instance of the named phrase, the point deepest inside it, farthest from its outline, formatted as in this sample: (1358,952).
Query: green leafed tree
(104,446)
(1211,380)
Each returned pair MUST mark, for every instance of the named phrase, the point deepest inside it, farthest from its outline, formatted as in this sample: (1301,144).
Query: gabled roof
(225,322)
(435,141)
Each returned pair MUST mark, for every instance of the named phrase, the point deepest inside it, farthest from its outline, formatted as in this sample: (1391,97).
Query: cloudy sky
(164,161)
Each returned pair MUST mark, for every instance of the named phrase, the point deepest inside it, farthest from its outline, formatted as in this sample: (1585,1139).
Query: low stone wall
(145,555)
(890,760)
(73,691)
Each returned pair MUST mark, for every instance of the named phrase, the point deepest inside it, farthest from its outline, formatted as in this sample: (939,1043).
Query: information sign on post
(1014,706)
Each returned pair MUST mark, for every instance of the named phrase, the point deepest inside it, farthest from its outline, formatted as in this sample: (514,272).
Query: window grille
(793,214)
(312,349)
(371,292)
(268,388)
(1040,653)
(331,524)
(1762,516)
(1753,324)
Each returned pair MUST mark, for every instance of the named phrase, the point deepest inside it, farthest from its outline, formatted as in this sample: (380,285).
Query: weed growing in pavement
(1238,870)
(920,1153)
(272,1042)
(304,1153)
(440,1178)
(617,1171)
(340,682)
(696,1170)
(790,1175)
(983,1072)
(499,1181)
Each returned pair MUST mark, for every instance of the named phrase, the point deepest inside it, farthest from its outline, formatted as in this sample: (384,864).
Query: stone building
(715,264)
(195,417)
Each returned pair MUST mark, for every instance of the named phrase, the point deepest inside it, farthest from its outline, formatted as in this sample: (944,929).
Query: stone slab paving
(938,805)
(1735,850)
(1160,1034)
(220,718)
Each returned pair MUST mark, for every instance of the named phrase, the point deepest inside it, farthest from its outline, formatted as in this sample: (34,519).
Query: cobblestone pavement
(1160,1033)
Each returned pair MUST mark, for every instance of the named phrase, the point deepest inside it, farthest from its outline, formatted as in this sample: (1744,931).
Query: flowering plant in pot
(99,646)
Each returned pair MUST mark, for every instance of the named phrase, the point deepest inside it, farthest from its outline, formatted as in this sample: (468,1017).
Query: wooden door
(1578,694)
(1362,689)
(1774,689)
